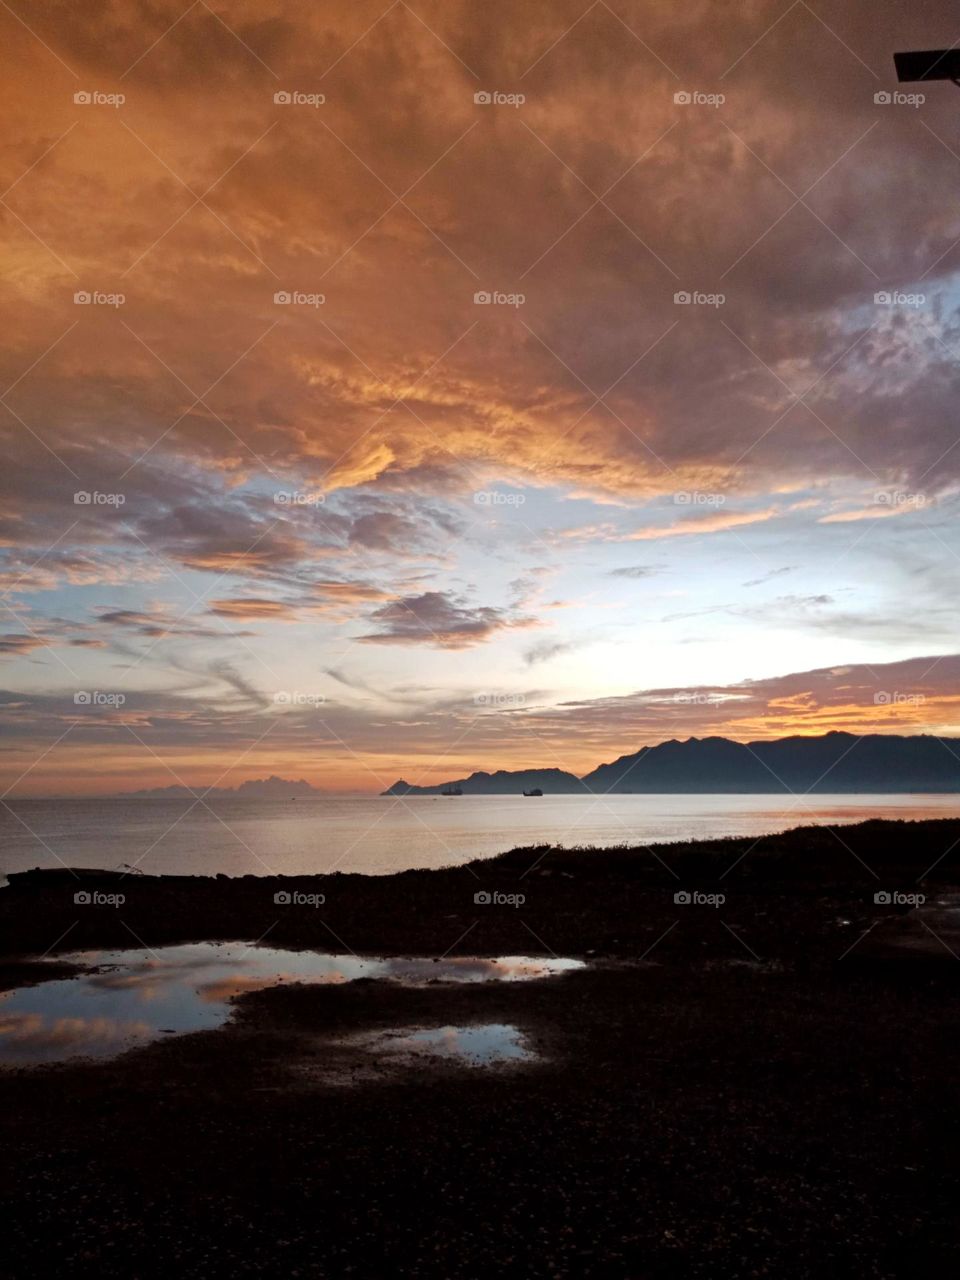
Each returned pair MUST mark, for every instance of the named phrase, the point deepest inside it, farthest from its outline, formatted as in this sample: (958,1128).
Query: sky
(397,390)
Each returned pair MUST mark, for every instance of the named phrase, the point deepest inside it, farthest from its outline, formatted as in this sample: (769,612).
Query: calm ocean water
(379,835)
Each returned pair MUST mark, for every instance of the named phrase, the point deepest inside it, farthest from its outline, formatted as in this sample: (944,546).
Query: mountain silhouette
(272,788)
(503,782)
(840,763)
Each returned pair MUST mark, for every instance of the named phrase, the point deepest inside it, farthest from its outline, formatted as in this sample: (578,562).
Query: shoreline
(606,901)
(237,838)
(714,1079)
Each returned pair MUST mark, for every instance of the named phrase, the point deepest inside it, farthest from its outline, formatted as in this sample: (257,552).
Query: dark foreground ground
(767,1087)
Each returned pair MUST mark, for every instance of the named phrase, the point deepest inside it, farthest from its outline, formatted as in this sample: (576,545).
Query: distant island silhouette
(272,788)
(836,762)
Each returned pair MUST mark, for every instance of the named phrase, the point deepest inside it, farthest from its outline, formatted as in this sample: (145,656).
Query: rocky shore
(752,1076)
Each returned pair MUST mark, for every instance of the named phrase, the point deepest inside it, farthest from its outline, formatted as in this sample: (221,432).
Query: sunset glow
(407,391)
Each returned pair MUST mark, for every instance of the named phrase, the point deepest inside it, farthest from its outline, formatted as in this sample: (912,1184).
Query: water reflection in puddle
(137,996)
(930,929)
(482,1045)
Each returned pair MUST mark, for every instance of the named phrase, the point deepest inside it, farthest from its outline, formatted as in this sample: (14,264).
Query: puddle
(932,929)
(928,930)
(138,996)
(483,1045)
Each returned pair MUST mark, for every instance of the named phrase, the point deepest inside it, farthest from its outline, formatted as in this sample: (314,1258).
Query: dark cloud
(240,684)
(383,384)
(318,465)
(160,623)
(15,644)
(634,571)
(767,577)
(547,650)
(384,531)
(441,619)
(913,695)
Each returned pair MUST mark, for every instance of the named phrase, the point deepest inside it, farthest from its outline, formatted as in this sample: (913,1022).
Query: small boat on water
(452,791)
(535,792)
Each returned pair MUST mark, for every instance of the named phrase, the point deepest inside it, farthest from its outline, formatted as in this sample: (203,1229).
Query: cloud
(636,571)
(866,513)
(715,522)
(248,692)
(798,608)
(317,464)
(398,382)
(18,644)
(440,619)
(768,577)
(915,695)
(384,531)
(161,622)
(253,609)
(46,633)
(349,592)
(547,650)
(335,600)
(919,694)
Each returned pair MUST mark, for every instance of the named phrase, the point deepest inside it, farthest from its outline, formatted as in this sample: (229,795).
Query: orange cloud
(714,523)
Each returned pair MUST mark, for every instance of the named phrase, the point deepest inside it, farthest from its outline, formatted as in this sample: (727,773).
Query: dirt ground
(759,1087)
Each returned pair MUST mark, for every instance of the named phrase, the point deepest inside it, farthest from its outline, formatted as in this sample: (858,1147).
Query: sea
(378,835)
